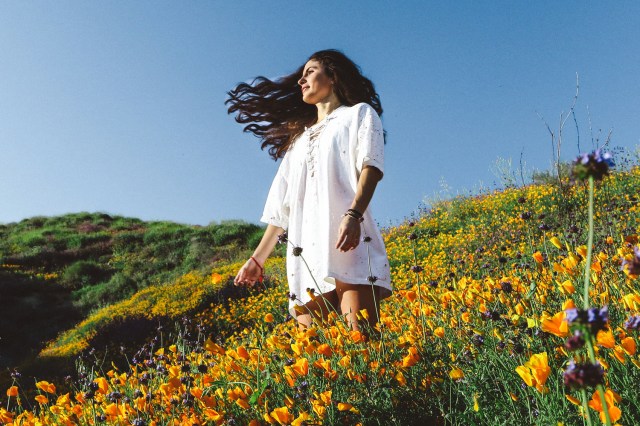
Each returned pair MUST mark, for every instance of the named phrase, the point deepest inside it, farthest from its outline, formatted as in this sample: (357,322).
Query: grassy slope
(56,271)
(104,259)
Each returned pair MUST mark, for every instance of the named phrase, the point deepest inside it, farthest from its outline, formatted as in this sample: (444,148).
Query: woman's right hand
(248,274)
(252,270)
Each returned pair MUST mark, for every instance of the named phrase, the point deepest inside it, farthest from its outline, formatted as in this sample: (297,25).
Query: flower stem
(585,407)
(587,269)
(419,284)
(587,280)
(375,303)
(605,408)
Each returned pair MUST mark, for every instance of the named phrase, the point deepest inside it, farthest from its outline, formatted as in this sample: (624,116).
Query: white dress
(313,188)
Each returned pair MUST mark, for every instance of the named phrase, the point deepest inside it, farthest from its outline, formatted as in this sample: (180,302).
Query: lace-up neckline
(314,131)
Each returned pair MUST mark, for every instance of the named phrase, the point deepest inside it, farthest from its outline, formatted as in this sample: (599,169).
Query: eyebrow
(311,66)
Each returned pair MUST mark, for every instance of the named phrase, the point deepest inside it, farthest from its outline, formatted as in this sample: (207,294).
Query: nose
(302,81)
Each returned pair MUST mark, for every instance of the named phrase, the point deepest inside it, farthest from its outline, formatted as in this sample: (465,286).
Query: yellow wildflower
(456,374)
(46,387)
(12,391)
(606,339)
(629,345)
(535,371)
(538,257)
(555,325)
(610,398)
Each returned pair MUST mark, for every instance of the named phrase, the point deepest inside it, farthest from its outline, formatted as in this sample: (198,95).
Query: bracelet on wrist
(353,216)
(355,212)
(261,269)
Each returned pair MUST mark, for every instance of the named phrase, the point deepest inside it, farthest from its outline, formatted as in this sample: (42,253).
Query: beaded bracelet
(354,216)
(357,214)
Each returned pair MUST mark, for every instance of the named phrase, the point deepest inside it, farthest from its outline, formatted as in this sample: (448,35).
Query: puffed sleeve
(370,147)
(276,208)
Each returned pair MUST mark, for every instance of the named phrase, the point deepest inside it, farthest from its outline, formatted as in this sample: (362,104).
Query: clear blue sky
(118,106)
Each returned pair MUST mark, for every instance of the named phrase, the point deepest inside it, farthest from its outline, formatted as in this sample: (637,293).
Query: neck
(326,106)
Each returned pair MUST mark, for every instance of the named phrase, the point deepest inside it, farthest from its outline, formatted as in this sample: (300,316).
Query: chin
(308,100)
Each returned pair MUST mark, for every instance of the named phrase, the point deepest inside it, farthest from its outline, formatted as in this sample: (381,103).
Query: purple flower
(506,286)
(526,215)
(477,340)
(604,157)
(632,266)
(596,156)
(578,376)
(544,227)
(595,315)
(575,342)
(595,319)
(491,315)
(595,164)
(633,323)
(282,238)
(571,315)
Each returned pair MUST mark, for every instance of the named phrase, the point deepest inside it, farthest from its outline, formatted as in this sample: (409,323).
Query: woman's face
(316,86)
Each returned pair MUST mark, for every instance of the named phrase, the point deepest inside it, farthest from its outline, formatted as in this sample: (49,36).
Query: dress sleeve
(276,208)
(370,147)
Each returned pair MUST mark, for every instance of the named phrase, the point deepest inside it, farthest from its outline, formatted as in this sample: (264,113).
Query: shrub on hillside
(199,253)
(119,287)
(83,273)
(35,222)
(254,238)
(128,240)
(31,239)
(84,240)
(230,231)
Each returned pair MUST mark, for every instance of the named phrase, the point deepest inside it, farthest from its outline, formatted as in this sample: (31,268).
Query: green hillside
(102,259)
(56,271)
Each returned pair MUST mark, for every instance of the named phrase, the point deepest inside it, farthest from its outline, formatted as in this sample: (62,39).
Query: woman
(323,120)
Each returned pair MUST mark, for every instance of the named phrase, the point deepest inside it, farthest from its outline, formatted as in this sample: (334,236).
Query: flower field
(484,327)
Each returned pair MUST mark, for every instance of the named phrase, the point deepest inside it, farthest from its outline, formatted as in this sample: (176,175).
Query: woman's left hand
(348,234)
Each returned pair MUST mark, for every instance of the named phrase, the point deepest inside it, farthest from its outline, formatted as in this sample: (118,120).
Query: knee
(304,320)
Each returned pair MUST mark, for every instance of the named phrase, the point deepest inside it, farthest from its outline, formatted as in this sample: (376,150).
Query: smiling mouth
(304,88)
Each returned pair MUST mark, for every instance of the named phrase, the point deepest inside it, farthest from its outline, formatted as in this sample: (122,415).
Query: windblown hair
(275,111)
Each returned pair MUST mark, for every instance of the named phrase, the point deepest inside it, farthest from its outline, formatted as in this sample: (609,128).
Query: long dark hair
(275,111)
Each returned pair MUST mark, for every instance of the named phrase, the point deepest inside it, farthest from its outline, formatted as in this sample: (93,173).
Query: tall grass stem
(587,280)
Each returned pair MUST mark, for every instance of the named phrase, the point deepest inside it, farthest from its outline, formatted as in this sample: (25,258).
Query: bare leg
(317,309)
(354,297)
